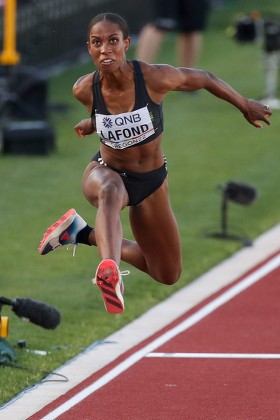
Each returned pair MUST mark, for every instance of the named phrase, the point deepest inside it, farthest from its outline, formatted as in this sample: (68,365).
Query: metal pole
(224,215)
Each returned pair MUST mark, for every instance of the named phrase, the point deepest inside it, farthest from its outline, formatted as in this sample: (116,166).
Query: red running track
(221,360)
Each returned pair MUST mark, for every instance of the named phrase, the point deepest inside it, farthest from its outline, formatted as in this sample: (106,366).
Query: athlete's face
(107,46)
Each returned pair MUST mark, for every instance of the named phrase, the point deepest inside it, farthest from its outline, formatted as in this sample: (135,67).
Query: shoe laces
(125,273)
(74,246)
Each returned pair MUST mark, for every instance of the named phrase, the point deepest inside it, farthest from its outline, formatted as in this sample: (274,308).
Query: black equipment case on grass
(28,138)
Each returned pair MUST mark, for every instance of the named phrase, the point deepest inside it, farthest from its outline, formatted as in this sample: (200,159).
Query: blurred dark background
(50,32)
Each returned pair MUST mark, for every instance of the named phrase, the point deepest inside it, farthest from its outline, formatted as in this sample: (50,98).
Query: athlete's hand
(255,112)
(84,128)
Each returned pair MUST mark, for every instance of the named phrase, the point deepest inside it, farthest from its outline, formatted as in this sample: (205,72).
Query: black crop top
(140,126)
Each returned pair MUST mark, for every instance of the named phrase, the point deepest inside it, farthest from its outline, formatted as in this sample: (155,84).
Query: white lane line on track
(269,356)
(187,323)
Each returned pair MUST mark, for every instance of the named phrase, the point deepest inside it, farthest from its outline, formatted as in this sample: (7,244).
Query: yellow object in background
(4,326)
(9,56)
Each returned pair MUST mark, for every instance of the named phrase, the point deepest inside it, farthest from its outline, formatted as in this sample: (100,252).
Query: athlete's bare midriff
(142,158)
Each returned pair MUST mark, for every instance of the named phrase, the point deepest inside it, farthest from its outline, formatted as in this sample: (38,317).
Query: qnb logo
(107,122)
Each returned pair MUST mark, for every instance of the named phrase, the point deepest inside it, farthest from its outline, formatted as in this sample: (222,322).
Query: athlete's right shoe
(62,232)
(109,281)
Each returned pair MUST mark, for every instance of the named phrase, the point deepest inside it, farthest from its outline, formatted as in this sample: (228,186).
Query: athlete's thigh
(156,231)
(98,179)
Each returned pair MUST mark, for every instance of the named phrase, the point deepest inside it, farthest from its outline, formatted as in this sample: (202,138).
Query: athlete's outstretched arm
(162,79)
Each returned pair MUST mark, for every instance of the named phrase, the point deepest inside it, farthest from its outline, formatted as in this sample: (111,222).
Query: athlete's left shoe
(108,279)
(62,232)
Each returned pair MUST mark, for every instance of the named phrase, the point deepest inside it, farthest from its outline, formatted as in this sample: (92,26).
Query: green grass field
(207,142)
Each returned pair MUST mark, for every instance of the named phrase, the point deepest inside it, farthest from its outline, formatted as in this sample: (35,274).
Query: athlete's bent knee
(169,277)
